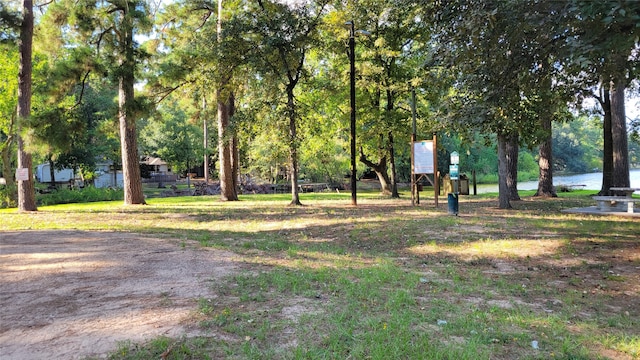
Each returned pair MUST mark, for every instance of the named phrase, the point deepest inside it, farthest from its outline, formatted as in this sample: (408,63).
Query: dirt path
(73,294)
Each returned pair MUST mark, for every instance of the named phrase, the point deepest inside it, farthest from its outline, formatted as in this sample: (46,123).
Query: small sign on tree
(22,174)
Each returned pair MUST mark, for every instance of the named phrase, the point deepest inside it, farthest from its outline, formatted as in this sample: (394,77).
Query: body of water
(592,181)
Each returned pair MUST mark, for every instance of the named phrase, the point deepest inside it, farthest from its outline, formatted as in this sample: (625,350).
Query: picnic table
(303,187)
(313,187)
(605,202)
(627,190)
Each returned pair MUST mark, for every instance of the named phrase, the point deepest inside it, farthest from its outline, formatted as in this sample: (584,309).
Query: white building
(160,167)
(43,174)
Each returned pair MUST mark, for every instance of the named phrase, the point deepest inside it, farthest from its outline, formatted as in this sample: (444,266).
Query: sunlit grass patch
(301,259)
(629,345)
(490,248)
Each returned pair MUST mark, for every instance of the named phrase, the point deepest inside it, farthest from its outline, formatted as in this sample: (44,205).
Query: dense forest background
(260,89)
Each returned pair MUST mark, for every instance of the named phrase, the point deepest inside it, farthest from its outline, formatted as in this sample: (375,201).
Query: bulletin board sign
(424,162)
(423,157)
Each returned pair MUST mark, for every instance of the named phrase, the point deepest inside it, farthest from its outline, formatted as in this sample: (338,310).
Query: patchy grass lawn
(385,280)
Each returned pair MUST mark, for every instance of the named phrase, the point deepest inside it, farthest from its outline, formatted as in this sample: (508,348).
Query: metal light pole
(352,82)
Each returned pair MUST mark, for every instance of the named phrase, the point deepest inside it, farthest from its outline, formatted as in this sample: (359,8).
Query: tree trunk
(132,182)
(115,176)
(235,155)
(381,170)
(26,188)
(205,138)
(293,147)
(235,162)
(392,161)
(607,151)
(545,161)
(503,172)
(7,169)
(52,172)
(226,152)
(5,155)
(512,149)
(227,188)
(620,174)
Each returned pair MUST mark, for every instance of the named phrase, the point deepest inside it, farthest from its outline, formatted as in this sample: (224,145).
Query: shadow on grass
(500,278)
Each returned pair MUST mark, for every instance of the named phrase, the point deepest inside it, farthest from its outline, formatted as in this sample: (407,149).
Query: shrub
(8,196)
(87,194)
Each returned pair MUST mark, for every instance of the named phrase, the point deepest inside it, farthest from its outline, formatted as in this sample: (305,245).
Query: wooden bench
(605,202)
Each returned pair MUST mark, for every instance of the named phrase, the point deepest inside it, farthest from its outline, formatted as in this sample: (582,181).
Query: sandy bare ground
(73,294)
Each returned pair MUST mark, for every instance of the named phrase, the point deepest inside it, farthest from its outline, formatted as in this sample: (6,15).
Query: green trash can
(452,201)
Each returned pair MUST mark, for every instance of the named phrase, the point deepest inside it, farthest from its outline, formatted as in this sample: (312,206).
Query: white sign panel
(423,157)
(455,158)
(22,174)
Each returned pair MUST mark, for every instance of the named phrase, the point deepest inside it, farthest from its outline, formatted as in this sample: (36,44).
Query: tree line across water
(116,79)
